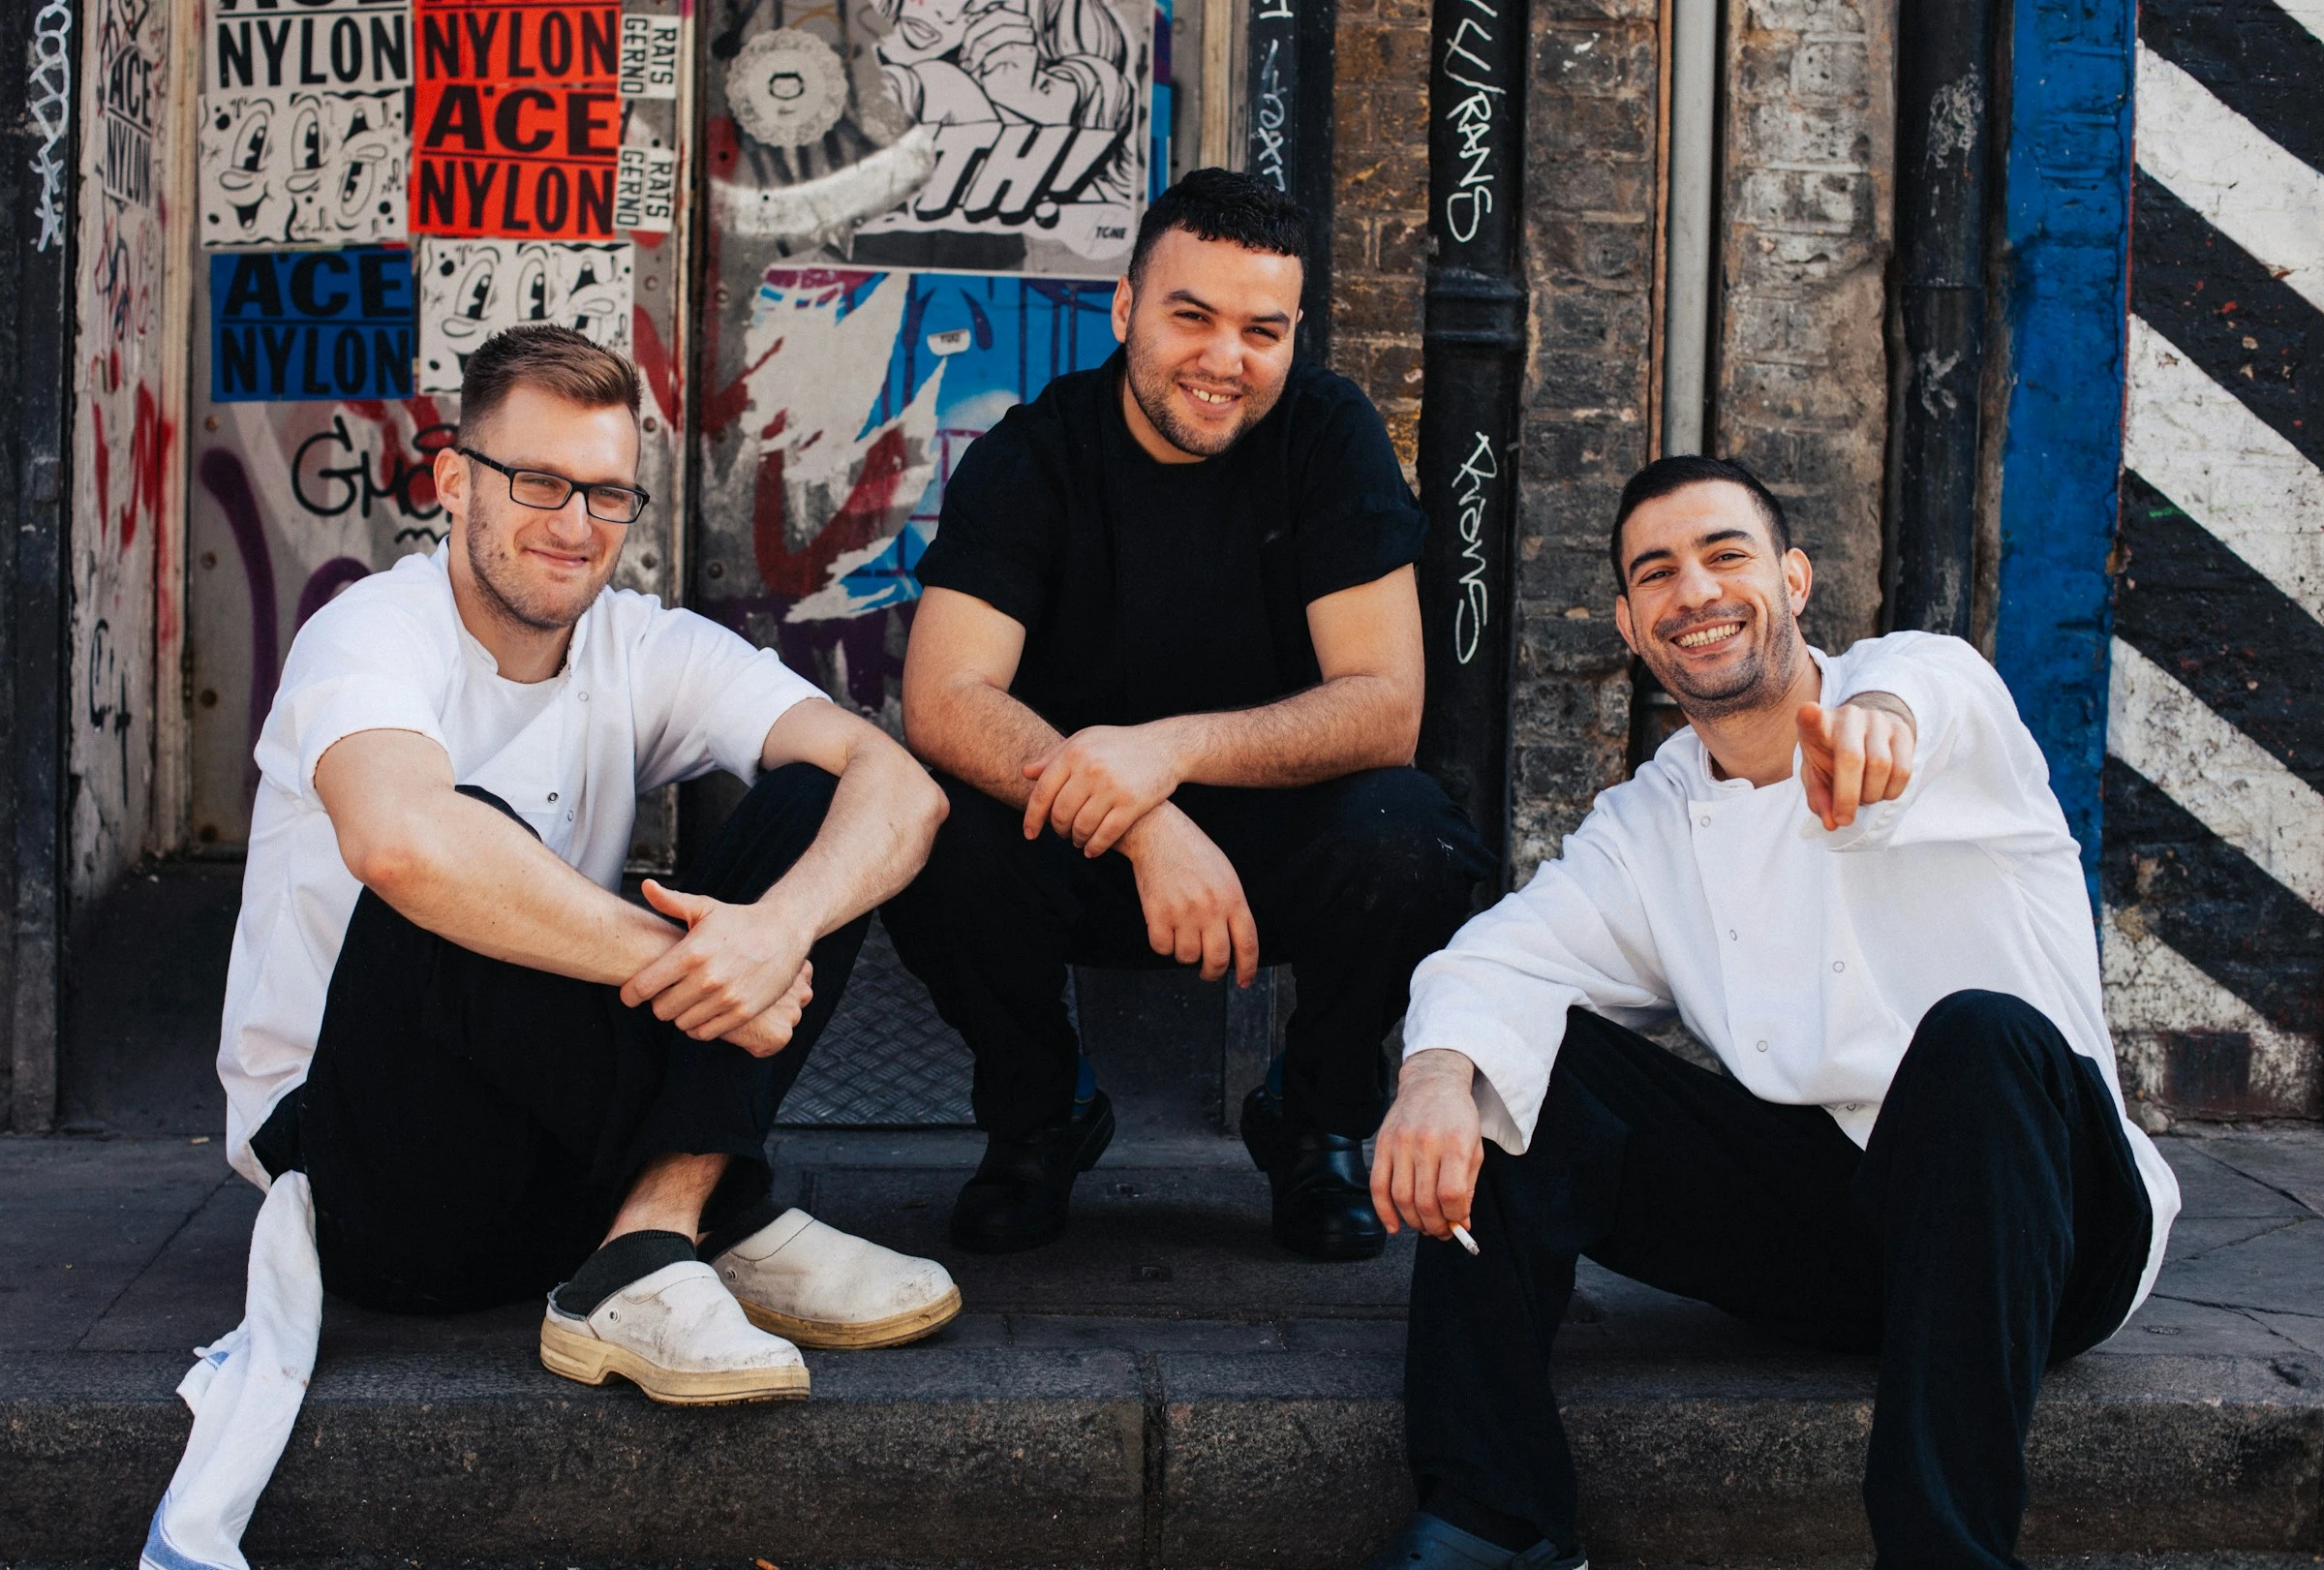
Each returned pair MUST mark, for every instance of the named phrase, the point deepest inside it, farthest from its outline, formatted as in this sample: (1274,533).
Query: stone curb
(1105,1458)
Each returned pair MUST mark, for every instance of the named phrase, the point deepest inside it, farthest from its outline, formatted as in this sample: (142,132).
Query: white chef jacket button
(1762,1046)
(1839,965)
(1851,1106)
(584,697)
(568,818)
(1730,936)
(552,796)
(1705,820)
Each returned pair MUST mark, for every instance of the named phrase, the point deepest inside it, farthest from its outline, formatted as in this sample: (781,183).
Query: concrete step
(1161,1389)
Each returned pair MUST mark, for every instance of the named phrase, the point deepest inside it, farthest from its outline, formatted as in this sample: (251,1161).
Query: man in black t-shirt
(1167,668)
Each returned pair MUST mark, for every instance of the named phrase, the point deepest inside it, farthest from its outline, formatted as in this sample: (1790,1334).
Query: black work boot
(1020,1196)
(1322,1195)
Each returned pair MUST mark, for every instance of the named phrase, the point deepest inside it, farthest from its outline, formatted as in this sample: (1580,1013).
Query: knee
(1396,836)
(1975,1039)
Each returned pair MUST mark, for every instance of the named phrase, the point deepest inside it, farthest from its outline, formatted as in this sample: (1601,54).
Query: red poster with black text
(517,120)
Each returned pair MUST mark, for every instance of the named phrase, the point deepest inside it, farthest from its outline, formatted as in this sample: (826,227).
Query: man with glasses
(501,1077)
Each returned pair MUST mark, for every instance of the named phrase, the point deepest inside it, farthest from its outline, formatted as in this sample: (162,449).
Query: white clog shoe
(679,1337)
(824,1289)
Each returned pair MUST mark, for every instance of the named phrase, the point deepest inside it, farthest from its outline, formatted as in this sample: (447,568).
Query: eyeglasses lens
(614,505)
(537,489)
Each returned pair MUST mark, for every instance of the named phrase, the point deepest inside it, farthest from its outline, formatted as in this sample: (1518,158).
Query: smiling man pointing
(1850,880)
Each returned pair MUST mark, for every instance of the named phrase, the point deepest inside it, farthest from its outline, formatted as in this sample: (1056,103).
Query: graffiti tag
(49,104)
(1474,479)
(1472,119)
(329,473)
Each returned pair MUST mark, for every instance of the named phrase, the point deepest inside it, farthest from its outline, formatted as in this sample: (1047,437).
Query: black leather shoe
(1429,1544)
(1322,1195)
(1020,1196)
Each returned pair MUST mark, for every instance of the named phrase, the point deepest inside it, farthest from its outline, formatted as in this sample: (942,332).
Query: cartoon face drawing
(243,204)
(470,290)
(924,29)
(302,168)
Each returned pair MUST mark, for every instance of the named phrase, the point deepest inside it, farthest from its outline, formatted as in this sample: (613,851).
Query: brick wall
(1801,379)
(1380,217)
(1805,209)
(1589,253)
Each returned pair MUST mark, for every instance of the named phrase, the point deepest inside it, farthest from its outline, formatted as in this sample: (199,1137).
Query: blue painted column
(2068,237)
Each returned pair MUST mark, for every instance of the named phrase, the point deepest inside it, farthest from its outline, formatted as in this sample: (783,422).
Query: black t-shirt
(1153,589)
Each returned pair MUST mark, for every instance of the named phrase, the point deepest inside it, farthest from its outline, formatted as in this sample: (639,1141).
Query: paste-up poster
(302,137)
(982,135)
(301,325)
(279,167)
(861,391)
(324,45)
(470,290)
(516,119)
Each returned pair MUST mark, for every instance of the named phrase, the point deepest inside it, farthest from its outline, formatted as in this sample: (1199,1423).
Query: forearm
(1339,728)
(874,838)
(979,735)
(475,878)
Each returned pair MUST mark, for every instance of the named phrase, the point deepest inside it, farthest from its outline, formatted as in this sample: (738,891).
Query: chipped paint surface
(125,454)
(2213,928)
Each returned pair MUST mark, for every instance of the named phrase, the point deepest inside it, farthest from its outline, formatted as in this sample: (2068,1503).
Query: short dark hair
(541,354)
(1224,204)
(1673,474)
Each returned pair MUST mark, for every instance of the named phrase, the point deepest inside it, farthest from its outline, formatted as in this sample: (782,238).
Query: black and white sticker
(649,56)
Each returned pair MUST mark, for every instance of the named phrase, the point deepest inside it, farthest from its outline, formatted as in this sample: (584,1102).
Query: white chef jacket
(1804,959)
(647,695)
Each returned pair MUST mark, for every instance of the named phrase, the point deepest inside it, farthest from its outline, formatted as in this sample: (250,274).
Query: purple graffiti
(323,585)
(223,477)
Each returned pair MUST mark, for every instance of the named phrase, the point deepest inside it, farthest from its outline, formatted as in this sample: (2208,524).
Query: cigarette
(1460,1235)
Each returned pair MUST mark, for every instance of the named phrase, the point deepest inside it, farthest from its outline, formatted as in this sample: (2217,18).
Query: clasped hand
(1856,754)
(1093,786)
(1108,787)
(740,974)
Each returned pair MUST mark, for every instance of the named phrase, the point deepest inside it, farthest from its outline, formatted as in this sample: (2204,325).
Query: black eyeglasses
(537,488)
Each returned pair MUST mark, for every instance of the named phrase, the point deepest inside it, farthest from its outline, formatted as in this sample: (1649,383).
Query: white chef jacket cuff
(1513,1074)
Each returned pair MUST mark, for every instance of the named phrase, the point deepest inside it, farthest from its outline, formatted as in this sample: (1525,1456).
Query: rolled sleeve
(328,711)
(359,663)
(703,697)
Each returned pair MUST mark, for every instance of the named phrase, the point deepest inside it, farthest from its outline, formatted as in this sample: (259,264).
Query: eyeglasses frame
(644,496)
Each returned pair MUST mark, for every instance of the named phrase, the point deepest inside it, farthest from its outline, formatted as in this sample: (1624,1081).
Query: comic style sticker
(645,192)
(649,56)
(976,136)
(517,118)
(293,167)
(302,326)
(470,290)
(319,45)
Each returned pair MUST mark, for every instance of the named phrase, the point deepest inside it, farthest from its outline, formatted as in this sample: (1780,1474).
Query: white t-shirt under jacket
(1804,959)
(647,695)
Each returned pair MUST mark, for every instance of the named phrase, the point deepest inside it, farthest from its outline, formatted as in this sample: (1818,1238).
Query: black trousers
(470,1126)
(1995,1225)
(1352,882)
